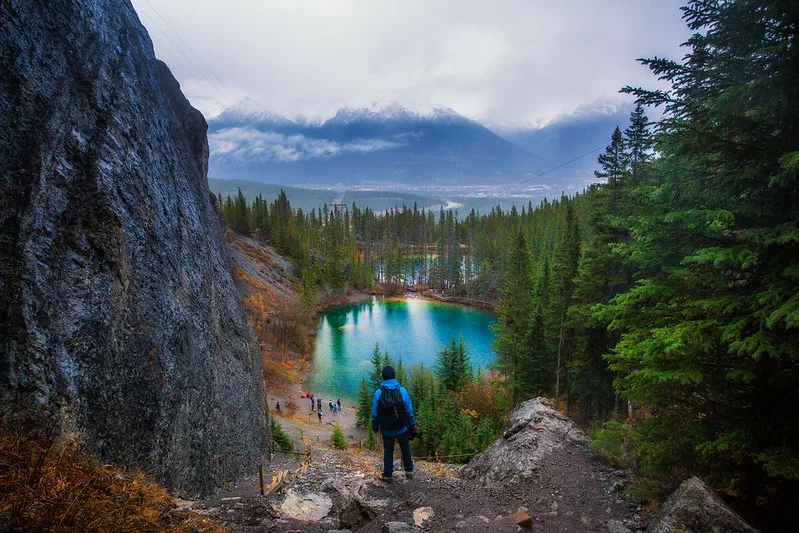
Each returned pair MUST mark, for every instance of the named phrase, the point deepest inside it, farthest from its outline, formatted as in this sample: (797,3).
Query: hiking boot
(409,474)
(383,477)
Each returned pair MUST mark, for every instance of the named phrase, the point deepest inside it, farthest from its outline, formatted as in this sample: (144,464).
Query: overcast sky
(521,62)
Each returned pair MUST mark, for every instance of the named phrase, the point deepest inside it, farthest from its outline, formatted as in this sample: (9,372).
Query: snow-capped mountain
(379,144)
(391,144)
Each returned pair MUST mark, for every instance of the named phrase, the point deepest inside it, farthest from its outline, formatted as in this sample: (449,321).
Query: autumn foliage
(52,484)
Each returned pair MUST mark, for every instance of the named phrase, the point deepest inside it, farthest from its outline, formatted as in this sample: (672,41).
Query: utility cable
(222,84)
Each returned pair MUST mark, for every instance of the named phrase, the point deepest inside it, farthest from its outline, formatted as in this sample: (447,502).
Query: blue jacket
(393,384)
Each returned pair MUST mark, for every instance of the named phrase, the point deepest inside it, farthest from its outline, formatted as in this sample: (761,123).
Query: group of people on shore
(316,404)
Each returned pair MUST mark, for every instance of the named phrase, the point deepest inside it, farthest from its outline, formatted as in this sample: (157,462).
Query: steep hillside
(118,314)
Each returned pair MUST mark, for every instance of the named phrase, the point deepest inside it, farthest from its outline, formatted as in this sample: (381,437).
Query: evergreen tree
(370,442)
(564,271)
(363,411)
(453,367)
(638,142)
(376,373)
(513,312)
(279,435)
(710,331)
(337,439)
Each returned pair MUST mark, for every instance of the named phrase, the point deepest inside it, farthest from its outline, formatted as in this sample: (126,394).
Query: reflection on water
(412,329)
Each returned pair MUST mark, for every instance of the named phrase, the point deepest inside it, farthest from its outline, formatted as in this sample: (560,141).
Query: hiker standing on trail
(319,403)
(277,407)
(392,414)
(313,402)
(338,403)
(319,414)
(330,404)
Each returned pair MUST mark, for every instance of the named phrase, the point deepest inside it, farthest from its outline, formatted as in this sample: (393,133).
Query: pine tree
(637,143)
(378,361)
(279,435)
(370,442)
(337,439)
(513,311)
(363,411)
(453,366)
(564,271)
(710,330)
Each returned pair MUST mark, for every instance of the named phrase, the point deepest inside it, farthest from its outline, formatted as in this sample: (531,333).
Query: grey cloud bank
(250,144)
(509,62)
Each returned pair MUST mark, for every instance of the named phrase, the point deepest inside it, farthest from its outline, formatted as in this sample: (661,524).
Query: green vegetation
(279,435)
(337,439)
(370,442)
(458,412)
(663,300)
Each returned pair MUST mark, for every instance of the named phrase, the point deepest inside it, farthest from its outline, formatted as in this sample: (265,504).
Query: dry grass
(280,333)
(253,252)
(49,484)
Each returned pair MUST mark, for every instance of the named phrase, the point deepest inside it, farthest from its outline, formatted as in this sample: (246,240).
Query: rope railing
(424,458)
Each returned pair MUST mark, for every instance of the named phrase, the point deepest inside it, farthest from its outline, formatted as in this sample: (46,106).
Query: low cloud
(252,144)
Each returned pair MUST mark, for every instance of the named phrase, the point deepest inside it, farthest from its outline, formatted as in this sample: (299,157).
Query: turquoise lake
(413,329)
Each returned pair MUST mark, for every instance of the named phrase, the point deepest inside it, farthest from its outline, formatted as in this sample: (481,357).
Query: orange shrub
(49,484)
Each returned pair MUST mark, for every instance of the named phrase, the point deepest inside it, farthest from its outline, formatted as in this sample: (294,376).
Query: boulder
(357,507)
(421,515)
(398,527)
(695,508)
(614,526)
(309,507)
(535,430)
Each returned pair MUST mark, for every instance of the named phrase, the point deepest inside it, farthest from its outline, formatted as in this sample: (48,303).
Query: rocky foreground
(540,475)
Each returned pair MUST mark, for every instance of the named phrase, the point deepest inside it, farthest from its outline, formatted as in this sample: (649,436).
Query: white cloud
(254,145)
(525,61)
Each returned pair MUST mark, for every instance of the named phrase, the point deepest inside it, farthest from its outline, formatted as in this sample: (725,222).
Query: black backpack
(391,413)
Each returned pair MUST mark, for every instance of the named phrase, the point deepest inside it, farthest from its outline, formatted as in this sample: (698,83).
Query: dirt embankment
(265,282)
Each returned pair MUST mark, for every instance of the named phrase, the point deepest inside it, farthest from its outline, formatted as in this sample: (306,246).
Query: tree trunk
(557,368)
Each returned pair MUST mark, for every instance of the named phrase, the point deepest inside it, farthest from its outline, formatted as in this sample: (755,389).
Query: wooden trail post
(261,477)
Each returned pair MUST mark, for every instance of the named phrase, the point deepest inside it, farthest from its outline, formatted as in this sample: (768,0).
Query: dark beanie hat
(388,372)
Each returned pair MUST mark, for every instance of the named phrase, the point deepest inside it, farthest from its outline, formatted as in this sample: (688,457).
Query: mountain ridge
(389,144)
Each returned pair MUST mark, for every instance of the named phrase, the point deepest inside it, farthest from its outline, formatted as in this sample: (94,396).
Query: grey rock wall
(118,315)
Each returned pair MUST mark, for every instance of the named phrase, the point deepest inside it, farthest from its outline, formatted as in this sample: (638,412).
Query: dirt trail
(571,493)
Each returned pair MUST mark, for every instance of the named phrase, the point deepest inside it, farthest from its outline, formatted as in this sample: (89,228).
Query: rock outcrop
(696,508)
(119,318)
(533,432)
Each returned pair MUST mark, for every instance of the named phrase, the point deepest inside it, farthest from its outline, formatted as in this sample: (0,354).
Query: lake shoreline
(354,296)
(296,414)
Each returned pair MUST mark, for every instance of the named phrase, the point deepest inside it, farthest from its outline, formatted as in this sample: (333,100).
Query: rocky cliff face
(119,316)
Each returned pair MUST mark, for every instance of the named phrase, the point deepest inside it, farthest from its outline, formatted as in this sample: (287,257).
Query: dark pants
(388,453)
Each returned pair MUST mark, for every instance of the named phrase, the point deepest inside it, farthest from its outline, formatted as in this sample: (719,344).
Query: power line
(224,87)
(174,48)
(506,187)
(559,166)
